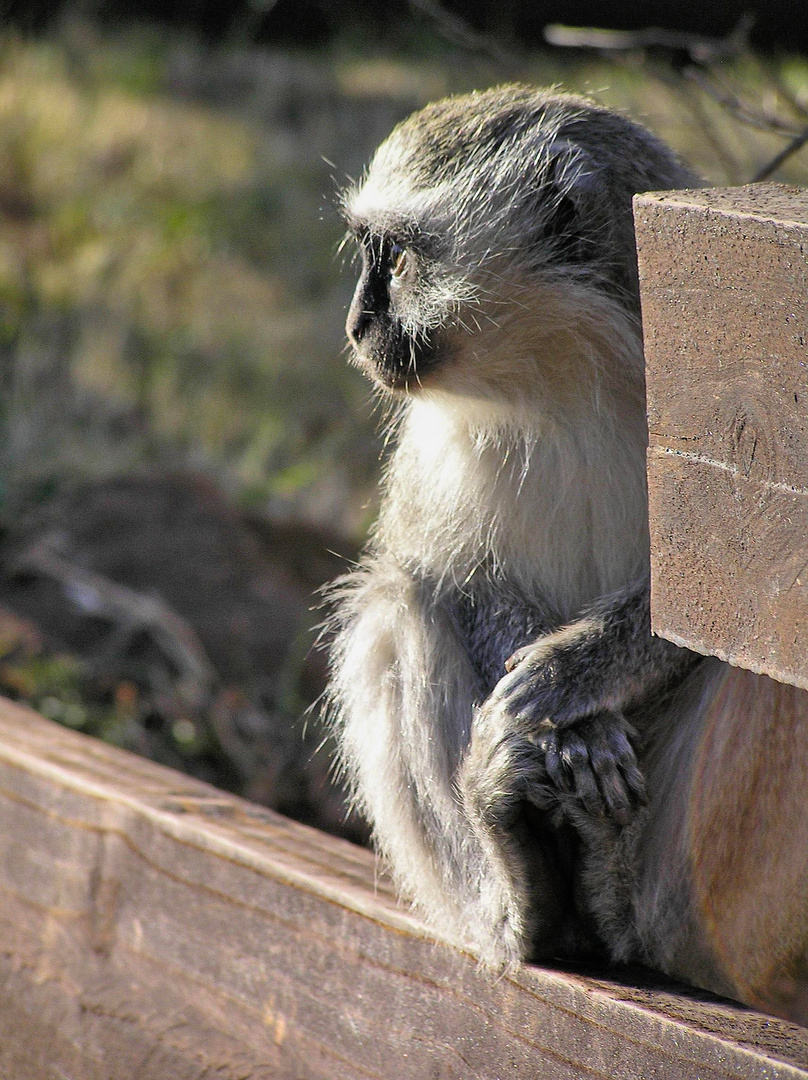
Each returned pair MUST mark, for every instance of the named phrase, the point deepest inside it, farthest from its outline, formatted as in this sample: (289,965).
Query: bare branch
(796,144)
(800,108)
(459,32)
(740,109)
(688,94)
(699,47)
(705,54)
(129,612)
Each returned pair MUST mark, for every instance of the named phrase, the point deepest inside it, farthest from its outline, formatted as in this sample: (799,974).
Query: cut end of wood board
(724,291)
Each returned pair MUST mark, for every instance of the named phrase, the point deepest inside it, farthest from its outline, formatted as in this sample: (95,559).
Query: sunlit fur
(526,454)
(521,458)
(517,478)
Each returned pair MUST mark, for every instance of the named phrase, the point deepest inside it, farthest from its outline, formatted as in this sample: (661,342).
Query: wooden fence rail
(152,927)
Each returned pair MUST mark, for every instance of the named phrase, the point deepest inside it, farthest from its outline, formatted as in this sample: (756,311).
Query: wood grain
(724,286)
(152,927)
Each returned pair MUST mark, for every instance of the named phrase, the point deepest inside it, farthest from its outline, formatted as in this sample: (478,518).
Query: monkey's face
(388,343)
(492,228)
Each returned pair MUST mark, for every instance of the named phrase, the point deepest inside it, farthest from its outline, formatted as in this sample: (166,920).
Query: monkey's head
(486,223)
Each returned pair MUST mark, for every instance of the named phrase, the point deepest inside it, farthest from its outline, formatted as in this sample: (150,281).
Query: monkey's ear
(570,185)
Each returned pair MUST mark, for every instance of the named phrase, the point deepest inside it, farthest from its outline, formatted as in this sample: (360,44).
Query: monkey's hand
(607,661)
(569,744)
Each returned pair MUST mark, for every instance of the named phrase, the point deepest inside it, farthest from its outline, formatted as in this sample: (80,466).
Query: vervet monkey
(544,777)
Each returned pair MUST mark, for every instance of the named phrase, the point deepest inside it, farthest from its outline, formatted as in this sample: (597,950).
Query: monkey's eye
(399,261)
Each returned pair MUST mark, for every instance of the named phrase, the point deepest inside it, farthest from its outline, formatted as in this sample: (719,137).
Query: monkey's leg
(721,864)
(404,692)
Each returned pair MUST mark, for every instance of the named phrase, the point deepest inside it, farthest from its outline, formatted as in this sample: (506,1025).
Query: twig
(785,92)
(699,47)
(796,144)
(741,110)
(130,612)
(704,53)
(459,32)
(686,92)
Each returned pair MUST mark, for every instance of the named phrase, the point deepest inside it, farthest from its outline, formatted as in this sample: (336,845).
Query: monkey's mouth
(395,360)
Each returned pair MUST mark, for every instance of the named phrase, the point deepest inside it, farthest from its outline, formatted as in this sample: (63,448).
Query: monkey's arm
(608,660)
(554,732)
(403,694)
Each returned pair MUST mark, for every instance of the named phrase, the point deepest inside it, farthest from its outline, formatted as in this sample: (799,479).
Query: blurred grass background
(171,305)
(170,290)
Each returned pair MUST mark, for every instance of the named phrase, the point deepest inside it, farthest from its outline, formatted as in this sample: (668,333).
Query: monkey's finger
(515,687)
(575,754)
(622,753)
(614,791)
(525,701)
(512,694)
(635,781)
(621,781)
(556,769)
(588,792)
(518,657)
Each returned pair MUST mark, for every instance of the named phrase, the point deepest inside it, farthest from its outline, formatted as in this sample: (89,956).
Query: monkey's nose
(359,319)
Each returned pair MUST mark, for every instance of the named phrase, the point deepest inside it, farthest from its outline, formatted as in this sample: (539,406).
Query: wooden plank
(724,286)
(152,926)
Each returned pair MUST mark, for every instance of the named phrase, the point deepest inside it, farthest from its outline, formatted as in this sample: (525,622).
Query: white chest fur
(558,512)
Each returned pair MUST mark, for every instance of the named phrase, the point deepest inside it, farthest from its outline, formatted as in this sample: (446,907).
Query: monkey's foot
(593,762)
(566,739)
(585,769)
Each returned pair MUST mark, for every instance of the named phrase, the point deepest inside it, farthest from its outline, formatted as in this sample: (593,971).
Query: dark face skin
(384,350)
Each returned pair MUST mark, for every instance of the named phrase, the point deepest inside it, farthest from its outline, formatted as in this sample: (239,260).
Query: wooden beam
(152,926)
(724,285)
